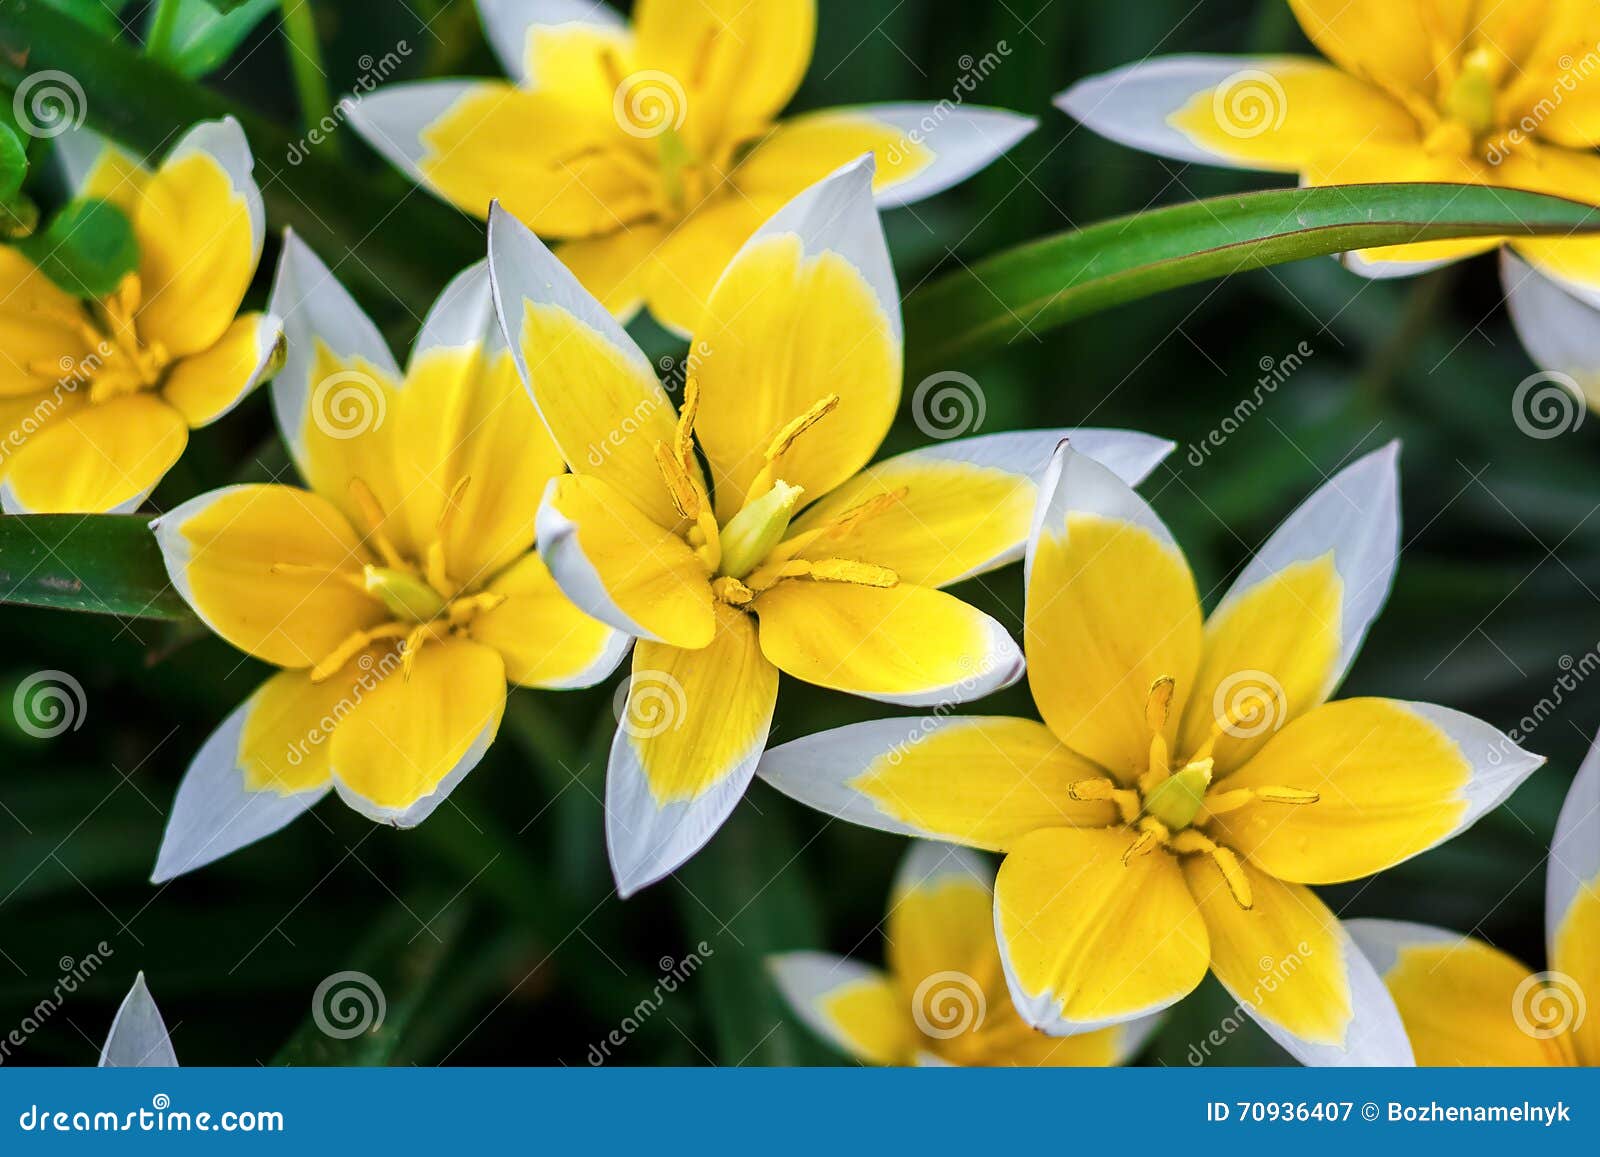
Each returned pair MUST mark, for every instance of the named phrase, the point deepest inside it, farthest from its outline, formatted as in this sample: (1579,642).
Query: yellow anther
(684,435)
(462,611)
(1290,795)
(1143,844)
(353,645)
(679,483)
(1094,790)
(731,591)
(843,570)
(373,515)
(1158,703)
(1233,873)
(784,439)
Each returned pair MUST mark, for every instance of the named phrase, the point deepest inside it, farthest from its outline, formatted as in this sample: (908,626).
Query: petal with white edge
(138,1038)
(963,507)
(692,730)
(317,311)
(1291,965)
(1561,333)
(508,24)
(1291,624)
(853,1007)
(981,781)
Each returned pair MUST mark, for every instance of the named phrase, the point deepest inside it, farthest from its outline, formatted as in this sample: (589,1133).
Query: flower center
(1174,801)
(1467,120)
(118,361)
(427,605)
(753,550)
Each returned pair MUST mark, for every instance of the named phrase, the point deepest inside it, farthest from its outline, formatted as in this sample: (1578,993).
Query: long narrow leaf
(105,563)
(1046,283)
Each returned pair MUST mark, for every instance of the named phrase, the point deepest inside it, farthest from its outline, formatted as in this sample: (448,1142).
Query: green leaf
(105,563)
(13,163)
(140,103)
(743,898)
(87,250)
(390,974)
(1046,283)
(101,15)
(205,34)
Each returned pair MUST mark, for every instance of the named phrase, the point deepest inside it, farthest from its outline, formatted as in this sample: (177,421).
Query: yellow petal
(545,640)
(262,566)
(855,1008)
(902,644)
(693,727)
(467,439)
(1566,173)
(689,258)
(1285,633)
(413,736)
(206,385)
(1575,964)
(96,458)
(1572,903)
(199,225)
(784,330)
(1089,941)
(565,170)
(1291,965)
(616,268)
(622,568)
(802,151)
(1552,88)
(980,781)
(1393,778)
(1395,45)
(39,330)
(736,63)
(1459,998)
(596,391)
(1111,609)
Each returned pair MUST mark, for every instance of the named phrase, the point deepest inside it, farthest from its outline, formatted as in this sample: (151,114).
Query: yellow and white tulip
(792,554)
(97,398)
(652,149)
(1465,1002)
(943,998)
(1409,90)
(399,592)
(1190,778)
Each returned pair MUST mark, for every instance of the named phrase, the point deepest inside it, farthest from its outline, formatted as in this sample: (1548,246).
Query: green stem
(163,23)
(305,61)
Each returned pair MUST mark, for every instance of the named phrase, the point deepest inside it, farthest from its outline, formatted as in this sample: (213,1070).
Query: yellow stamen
(1232,799)
(353,645)
(1157,708)
(785,438)
(1233,873)
(1152,834)
(731,591)
(373,515)
(1090,790)
(679,484)
(842,570)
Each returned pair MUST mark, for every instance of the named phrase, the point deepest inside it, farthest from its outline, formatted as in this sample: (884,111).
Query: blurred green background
(493,928)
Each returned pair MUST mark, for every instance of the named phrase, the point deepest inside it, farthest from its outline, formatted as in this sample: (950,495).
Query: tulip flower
(398,592)
(1191,777)
(791,554)
(651,148)
(943,1000)
(97,396)
(1465,1002)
